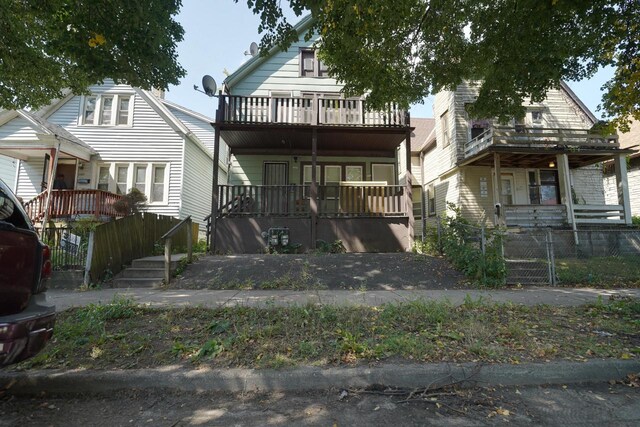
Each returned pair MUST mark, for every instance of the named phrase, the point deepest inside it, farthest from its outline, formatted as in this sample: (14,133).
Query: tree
(404,50)
(48,46)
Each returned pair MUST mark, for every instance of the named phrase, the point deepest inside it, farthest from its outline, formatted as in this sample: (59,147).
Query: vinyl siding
(474,207)
(149,139)
(196,192)
(611,189)
(8,171)
(30,178)
(18,129)
(588,185)
(281,73)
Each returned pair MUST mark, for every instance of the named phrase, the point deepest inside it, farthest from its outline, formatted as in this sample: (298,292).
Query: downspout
(52,172)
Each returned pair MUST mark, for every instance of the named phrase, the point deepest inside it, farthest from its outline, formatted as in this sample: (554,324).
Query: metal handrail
(167,246)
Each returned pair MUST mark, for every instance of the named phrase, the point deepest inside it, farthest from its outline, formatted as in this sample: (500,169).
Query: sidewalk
(64,299)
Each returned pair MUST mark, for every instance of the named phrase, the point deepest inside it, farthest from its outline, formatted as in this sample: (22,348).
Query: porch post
(565,187)
(47,206)
(497,192)
(313,202)
(408,181)
(216,168)
(622,185)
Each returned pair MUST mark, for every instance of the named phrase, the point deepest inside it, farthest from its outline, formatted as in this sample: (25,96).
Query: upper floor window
(107,110)
(444,126)
(311,65)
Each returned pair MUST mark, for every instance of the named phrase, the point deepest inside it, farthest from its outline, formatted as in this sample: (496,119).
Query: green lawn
(599,271)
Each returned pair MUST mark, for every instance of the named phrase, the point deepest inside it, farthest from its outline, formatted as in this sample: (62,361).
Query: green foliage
(430,245)
(405,50)
(131,203)
(635,220)
(461,243)
(49,46)
(335,247)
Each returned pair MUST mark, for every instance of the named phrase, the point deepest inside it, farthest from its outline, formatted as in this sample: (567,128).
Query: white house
(107,142)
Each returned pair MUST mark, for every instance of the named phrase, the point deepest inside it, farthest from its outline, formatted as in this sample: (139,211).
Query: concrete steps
(527,272)
(145,272)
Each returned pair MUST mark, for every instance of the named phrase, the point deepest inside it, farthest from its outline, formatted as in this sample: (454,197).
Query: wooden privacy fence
(118,243)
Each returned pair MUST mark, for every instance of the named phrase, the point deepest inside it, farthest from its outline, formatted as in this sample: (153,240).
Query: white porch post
(313,202)
(497,192)
(622,185)
(52,173)
(565,187)
(408,181)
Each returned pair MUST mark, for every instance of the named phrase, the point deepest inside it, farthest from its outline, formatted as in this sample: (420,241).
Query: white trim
(112,186)
(98,111)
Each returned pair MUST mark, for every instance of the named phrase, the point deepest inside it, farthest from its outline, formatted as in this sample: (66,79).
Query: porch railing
(308,111)
(293,200)
(538,137)
(535,215)
(599,214)
(69,203)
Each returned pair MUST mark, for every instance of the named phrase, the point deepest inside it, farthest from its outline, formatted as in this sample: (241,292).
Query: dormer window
(107,110)
(536,117)
(311,65)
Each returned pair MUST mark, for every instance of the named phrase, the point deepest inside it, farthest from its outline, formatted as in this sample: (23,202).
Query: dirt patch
(389,271)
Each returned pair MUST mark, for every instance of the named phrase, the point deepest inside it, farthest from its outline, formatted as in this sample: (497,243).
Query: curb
(177,378)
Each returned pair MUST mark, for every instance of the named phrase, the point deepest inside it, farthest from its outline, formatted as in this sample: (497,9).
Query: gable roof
(57,131)
(565,87)
(246,68)
(423,129)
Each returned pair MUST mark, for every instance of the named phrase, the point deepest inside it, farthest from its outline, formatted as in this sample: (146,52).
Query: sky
(219,32)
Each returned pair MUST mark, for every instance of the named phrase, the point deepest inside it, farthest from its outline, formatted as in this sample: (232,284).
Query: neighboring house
(104,144)
(8,171)
(306,158)
(631,140)
(542,171)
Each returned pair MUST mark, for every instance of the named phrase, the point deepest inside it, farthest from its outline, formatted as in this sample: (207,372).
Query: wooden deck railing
(535,215)
(293,200)
(308,111)
(69,203)
(538,137)
(599,214)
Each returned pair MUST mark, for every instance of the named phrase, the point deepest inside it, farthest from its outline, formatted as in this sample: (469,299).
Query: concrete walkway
(211,298)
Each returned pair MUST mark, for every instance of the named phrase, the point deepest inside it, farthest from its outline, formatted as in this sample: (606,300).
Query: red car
(26,317)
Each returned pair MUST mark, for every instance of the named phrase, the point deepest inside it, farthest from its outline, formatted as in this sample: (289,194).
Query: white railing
(535,215)
(599,214)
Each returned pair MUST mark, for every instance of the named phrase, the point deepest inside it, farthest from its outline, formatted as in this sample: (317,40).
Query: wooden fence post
(167,260)
(87,268)
(189,240)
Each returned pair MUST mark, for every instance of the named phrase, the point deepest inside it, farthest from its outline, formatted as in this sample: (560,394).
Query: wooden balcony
(293,200)
(545,142)
(308,111)
(70,203)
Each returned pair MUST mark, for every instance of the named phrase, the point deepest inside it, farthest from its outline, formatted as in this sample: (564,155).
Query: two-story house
(304,157)
(629,140)
(538,171)
(80,154)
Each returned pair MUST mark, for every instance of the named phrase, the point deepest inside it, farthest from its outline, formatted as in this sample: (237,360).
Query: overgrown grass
(599,271)
(124,335)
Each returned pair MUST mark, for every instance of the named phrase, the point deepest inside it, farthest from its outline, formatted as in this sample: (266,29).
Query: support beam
(497,192)
(408,182)
(566,197)
(47,206)
(216,167)
(314,188)
(622,185)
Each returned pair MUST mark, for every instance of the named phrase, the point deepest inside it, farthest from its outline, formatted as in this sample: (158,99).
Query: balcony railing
(538,137)
(69,203)
(293,200)
(308,111)
(556,215)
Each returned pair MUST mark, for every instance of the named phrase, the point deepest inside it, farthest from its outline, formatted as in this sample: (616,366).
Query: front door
(274,194)
(506,198)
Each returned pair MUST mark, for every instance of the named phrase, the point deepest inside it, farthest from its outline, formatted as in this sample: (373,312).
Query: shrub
(131,203)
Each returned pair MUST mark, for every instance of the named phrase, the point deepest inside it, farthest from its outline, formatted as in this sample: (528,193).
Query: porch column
(214,178)
(498,216)
(408,181)
(47,206)
(622,185)
(565,187)
(313,202)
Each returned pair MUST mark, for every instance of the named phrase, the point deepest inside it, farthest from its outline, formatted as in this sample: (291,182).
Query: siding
(150,139)
(8,171)
(475,207)
(18,129)
(588,185)
(611,191)
(30,178)
(280,72)
(197,180)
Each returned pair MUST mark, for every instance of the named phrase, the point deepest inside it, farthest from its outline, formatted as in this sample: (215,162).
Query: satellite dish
(209,85)
(253,49)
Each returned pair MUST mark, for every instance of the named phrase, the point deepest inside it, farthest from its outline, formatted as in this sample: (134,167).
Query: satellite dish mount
(209,85)
(253,49)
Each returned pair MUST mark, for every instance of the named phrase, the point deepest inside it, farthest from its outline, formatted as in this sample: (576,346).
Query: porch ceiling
(296,140)
(519,157)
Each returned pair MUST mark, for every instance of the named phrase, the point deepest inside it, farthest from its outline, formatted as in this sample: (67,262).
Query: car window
(11,210)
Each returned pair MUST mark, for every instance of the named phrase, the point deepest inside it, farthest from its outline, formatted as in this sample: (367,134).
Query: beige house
(543,170)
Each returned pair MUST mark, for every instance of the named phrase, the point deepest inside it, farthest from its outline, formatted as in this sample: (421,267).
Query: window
(311,65)
(150,178)
(140,178)
(383,172)
(444,126)
(107,110)
(536,117)
(353,173)
(431,200)
(122,173)
(158,184)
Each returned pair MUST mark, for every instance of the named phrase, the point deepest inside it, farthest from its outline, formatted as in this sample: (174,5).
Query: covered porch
(547,158)
(326,170)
